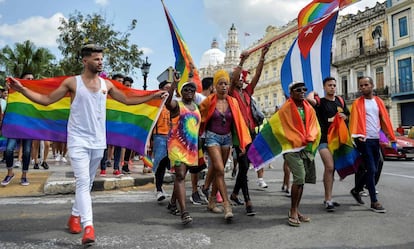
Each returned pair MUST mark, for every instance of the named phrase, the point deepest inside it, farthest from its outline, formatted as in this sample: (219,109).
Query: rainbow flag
(317,9)
(127,126)
(346,157)
(183,61)
(285,132)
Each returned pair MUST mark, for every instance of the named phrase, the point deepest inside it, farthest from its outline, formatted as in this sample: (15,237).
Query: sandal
(294,222)
(303,218)
(173,209)
(186,218)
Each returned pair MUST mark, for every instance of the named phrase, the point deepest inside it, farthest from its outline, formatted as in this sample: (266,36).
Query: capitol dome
(212,57)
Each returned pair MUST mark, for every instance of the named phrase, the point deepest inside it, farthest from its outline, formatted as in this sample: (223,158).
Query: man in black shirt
(326,109)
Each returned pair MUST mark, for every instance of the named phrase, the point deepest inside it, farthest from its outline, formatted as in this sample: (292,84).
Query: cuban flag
(309,57)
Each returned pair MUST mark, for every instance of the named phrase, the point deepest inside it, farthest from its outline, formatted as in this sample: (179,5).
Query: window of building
(274,99)
(343,47)
(379,76)
(402,25)
(344,80)
(266,103)
(405,76)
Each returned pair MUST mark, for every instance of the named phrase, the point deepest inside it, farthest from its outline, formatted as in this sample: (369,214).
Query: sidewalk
(59,179)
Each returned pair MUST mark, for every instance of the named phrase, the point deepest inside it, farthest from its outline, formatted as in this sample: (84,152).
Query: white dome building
(212,57)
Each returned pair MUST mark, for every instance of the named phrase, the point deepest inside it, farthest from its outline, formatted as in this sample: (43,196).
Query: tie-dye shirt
(183,138)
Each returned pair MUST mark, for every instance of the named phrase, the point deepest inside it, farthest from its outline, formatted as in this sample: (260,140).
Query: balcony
(383,93)
(361,53)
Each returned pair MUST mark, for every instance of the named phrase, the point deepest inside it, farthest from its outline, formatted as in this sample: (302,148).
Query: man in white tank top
(86,139)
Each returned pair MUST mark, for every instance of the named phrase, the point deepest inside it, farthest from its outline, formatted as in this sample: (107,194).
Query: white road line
(391,174)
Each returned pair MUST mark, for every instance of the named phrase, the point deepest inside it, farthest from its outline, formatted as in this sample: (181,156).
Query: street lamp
(145,71)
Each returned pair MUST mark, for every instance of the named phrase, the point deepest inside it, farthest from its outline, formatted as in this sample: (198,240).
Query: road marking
(405,176)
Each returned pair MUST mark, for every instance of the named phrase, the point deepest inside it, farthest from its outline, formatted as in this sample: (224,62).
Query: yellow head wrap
(220,74)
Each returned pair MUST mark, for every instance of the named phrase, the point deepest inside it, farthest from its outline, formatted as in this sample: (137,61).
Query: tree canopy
(119,54)
(26,57)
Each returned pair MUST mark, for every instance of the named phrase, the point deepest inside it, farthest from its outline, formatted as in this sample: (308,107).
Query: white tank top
(87,118)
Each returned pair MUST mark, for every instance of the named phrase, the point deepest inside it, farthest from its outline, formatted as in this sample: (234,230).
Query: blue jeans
(159,145)
(27,148)
(369,151)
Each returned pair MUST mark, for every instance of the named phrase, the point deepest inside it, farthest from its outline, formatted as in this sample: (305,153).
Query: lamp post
(145,67)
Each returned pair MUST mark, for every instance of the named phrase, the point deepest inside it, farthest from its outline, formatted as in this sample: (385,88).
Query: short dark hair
(127,78)
(328,79)
(25,73)
(118,75)
(90,48)
(366,77)
(207,82)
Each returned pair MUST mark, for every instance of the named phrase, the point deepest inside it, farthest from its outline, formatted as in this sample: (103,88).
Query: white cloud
(40,30)
(102,2)
(254,16)
(147,51)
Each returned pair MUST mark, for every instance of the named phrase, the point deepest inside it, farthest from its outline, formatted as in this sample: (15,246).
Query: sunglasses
(300,89)
(223,119)
(188,89)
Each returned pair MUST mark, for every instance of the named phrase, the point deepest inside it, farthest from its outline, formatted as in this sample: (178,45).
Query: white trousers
(84,164)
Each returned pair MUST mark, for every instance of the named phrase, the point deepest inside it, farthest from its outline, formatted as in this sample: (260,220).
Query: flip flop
(303,218)
(294,222)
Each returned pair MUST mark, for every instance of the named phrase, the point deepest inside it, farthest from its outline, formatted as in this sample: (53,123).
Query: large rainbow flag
(346,157)
(183,61)
(127,126)
(317,9)
(285,132)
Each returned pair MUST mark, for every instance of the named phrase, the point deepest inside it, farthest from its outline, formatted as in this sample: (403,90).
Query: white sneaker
(63,159)
(58,157)
(160,196)
(261,183)
(17,164)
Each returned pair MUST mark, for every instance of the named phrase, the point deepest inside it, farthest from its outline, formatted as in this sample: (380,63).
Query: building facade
(269,92)
(214,59)
(361,49)
(400,15)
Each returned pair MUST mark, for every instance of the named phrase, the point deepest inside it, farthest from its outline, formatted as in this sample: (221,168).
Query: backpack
(257,114)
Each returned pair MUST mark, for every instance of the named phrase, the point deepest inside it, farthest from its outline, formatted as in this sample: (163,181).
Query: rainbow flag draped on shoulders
(285,132)
(127,126)
(346,157)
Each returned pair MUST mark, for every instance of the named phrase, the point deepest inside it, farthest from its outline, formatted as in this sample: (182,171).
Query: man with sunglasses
(326,109)
(86,132)
(368,116)
(304,132)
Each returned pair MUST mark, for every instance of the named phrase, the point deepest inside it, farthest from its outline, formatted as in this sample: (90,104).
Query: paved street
(132,219)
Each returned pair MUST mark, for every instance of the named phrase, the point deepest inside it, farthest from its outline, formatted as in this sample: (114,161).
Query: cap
(162,84)
(295,84)
(188,83)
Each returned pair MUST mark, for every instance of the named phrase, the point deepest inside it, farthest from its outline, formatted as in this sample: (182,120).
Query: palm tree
(25,57)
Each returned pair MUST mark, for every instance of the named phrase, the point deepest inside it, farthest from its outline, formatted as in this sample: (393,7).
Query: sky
(200,21)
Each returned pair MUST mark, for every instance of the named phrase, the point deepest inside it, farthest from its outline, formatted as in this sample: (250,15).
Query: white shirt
(372,119)
(87,119)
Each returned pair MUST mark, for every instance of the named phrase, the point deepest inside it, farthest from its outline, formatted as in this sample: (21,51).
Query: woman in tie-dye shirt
(183,140)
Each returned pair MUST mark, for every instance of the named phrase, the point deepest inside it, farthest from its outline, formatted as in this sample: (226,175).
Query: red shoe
(219,198)
(117,173)
(88,236)
(74,224)
(103,172)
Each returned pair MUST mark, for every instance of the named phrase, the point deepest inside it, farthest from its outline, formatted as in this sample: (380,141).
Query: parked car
(405,148)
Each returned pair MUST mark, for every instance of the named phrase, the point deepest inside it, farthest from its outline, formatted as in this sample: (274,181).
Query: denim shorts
(323,146)
(214,139)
